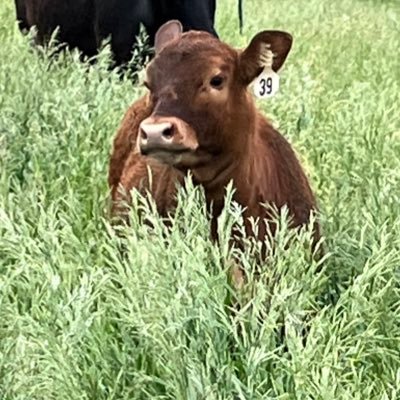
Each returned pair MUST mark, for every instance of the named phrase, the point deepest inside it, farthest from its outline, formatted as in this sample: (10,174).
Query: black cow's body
(84,24)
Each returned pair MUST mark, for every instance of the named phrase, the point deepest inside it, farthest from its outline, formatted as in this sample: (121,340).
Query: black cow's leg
(197,15)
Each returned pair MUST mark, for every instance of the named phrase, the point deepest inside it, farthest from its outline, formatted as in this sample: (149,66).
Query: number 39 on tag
(266,84)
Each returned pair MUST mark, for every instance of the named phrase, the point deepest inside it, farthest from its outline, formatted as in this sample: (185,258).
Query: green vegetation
(80,319)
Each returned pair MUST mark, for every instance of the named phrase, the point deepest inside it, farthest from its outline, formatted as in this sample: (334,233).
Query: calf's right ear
(169,31)
(252,59)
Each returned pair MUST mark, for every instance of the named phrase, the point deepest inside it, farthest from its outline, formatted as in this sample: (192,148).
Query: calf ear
(251,59)
(169,31)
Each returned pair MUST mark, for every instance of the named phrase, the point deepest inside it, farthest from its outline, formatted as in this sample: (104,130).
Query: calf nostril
(168,133)
(143,134)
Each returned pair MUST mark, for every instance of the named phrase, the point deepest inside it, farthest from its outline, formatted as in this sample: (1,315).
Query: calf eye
(146,85)
(217,81)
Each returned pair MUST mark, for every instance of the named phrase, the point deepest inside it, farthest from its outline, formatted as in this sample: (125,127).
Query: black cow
(84,24)
(121,19)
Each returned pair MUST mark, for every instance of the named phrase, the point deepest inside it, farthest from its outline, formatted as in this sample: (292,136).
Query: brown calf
(198,116)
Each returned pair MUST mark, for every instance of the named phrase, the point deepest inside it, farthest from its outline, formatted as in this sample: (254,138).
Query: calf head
(198,88)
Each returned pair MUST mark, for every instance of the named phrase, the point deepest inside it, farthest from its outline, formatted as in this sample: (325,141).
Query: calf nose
(168,134)
(156,134)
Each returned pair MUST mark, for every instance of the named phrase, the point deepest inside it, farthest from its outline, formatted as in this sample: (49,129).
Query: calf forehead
(193,55)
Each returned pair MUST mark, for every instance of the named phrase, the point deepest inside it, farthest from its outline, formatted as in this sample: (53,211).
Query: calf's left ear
(252,59)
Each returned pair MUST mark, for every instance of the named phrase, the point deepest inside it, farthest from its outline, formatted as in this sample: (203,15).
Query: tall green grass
(85,314)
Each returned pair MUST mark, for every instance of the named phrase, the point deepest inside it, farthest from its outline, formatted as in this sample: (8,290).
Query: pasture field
(79,319)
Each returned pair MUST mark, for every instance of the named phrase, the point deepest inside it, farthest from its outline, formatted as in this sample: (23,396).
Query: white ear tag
(267,83)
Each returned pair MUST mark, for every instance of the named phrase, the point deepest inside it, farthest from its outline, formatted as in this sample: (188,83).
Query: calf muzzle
(166,135)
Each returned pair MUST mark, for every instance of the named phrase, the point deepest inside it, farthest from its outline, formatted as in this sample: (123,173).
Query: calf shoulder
(129,170)
(125,139)
(288,178)
(272,174)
